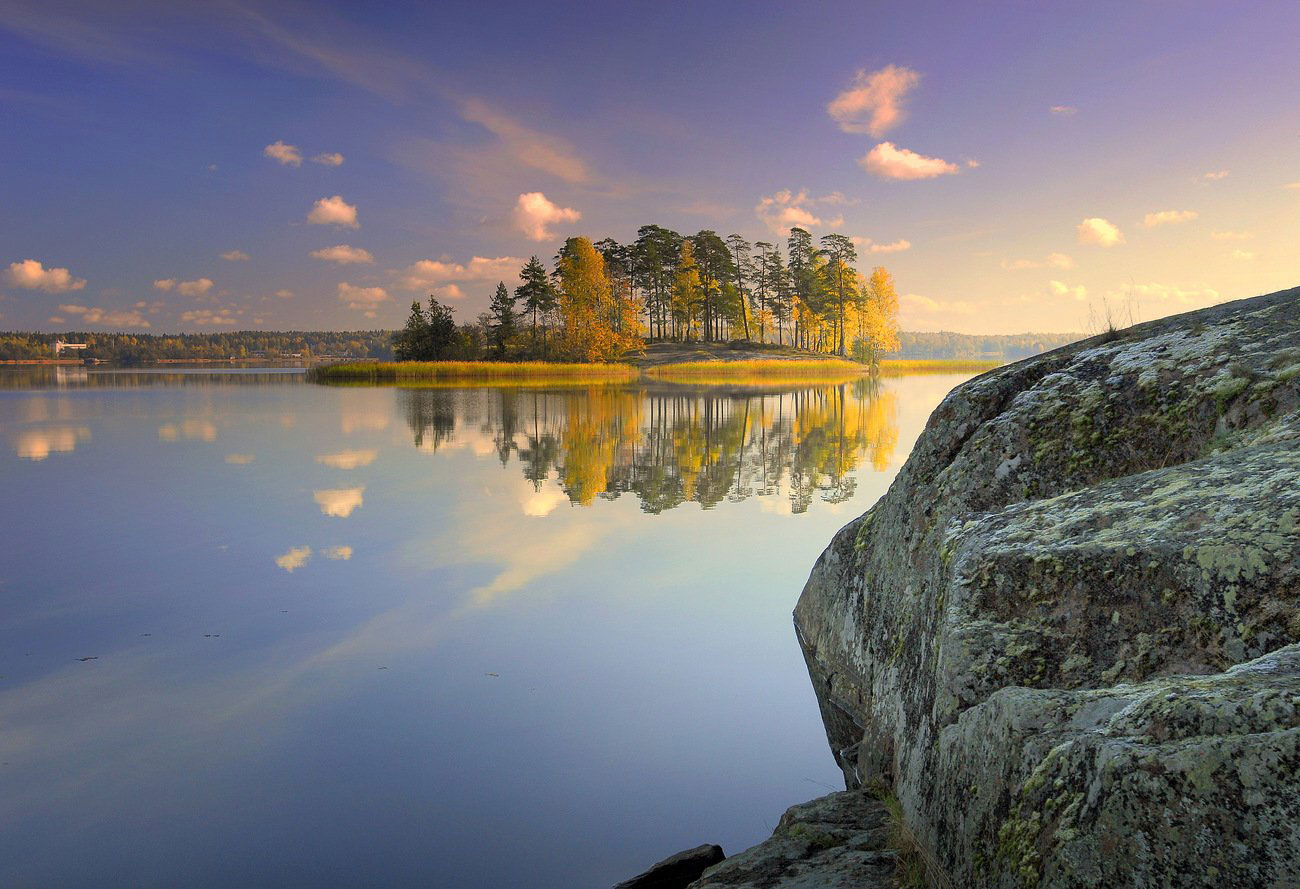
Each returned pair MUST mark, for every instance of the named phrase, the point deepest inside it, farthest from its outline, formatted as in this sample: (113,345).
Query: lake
(257,632)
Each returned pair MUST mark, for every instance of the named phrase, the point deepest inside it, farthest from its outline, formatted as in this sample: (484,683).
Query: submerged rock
(1066,636)
(677,871)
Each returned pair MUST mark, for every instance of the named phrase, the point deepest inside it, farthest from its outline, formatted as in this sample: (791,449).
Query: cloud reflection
(339,502)
(349,459)
(294,559)
(190,430)
(37,444)
(364,421)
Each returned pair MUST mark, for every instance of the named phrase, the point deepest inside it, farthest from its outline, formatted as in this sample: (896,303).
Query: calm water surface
(255,632)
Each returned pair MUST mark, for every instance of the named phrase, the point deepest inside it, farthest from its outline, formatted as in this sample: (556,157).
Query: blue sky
(1017,166)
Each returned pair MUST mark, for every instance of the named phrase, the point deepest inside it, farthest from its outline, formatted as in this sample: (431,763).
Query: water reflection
(190,430)
(259,661)
(294,559)
(37,444)
(64,376)
(668,446)
(339,502)
(349,459)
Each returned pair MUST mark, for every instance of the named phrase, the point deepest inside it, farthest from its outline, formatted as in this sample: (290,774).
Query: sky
(1017,166)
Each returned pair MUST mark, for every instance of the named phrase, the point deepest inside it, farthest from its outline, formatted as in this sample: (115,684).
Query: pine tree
(502,322)
(840,255)
(411,342)
(687,292)
(537,292)
(428,335)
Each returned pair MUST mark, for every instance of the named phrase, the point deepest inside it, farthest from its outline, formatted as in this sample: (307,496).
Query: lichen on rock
(1067,635)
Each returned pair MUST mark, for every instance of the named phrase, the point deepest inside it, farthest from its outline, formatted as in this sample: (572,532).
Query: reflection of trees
(668,448)
(431,413)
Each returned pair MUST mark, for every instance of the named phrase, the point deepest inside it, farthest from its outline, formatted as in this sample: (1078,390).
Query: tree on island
(428,335)
(840,278)
(592,315)
(502,318)
(879,317)
(602,298)
(537,293)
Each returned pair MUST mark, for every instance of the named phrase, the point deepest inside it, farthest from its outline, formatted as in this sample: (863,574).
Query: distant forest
(133,348)
(1011,347)
(143,348)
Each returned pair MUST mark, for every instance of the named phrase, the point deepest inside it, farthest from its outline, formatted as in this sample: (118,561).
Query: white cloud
(1168,217)
(289,155)
(105,317)
(361,297)
(349,459)
(1243,255)
(30,274)
(786,209)
(339,502)
(235,256)
(1232,236)
(197,287)
(535,214)
(284,294)
(328,159)
(1190,294)
(892,247)
(528,147)
(837,197)
(209,317)
(1053,260)
(334,211)
(338,553)
(888,161)
(1102,232)
(294,559)
(343,254)
(429,273)
(873,104)
(916,303)
(1064,110)
(1058,288)
(1216,175)
(240,459)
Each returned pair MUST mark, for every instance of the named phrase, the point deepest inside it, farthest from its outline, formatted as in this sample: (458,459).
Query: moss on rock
(1079,602)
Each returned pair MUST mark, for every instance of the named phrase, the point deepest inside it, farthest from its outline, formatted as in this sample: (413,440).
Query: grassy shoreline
(505,371)
(544,372)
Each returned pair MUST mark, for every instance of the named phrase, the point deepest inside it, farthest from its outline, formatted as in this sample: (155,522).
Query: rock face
(840,841)
(1067,635)
(676,871)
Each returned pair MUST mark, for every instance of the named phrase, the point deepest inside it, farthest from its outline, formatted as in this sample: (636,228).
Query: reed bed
(449,371)
(793,369)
